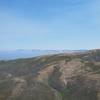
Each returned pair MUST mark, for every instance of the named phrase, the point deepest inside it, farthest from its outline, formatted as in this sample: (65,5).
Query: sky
(49,24)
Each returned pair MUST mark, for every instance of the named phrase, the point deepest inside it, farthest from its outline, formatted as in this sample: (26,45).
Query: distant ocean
(15,54)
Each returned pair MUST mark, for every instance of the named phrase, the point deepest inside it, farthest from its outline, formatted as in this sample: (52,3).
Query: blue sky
(49,24)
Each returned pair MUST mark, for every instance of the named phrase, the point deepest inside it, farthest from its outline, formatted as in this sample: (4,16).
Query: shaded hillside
(73,76)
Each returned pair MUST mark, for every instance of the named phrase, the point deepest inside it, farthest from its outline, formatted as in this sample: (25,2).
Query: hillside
(74,76)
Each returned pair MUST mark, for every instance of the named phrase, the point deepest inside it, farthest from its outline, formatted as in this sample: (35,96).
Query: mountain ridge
(74,76)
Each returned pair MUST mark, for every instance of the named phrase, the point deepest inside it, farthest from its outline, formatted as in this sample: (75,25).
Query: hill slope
(73,76)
